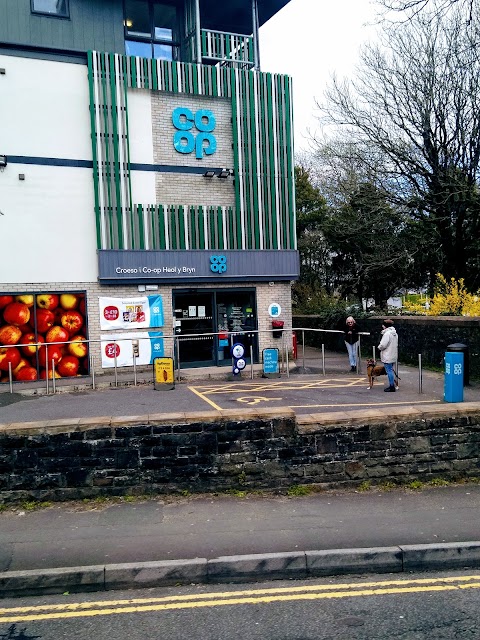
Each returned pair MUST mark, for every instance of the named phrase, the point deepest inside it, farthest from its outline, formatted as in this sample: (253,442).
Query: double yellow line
(234,598)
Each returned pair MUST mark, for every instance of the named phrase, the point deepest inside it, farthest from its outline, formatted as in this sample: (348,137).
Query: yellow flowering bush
(450,298)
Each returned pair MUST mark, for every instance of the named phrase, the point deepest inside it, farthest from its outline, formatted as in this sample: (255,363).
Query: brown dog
(374,370)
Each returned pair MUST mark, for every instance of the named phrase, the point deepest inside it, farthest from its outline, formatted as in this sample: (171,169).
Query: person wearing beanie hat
(388,348)
(350,333)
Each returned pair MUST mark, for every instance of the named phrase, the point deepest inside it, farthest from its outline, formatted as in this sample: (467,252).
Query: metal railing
(219,46)
(284,345)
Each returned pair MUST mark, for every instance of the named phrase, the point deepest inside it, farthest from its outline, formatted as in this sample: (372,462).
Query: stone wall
(211,452)
(428,335)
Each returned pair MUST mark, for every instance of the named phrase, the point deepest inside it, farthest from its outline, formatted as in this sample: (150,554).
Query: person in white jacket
(388,348)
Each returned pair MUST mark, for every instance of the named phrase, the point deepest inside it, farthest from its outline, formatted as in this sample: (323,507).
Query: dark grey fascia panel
(137,267)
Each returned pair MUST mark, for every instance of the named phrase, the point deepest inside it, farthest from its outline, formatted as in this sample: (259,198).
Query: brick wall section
(183,188)
(266,294)
(211,452)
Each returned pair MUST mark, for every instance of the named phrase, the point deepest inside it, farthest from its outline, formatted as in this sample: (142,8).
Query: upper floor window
(151,29)
(51,7)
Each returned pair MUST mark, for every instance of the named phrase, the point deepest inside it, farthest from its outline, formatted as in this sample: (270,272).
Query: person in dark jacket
(351,341)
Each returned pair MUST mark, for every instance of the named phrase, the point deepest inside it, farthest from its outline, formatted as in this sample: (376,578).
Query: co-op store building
(146,170)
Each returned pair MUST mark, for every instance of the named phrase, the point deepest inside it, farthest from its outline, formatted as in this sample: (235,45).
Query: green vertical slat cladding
(254,163)
(258,194)
(218,227)
(235,116)
(204,44)
(141,227)
(201,228)
(247,153)
(116,154)
(211,227)
(281,167)
(181,227)
(192,214)
(94,135)
(290,163)
(173,228)
(161,228)
(123,72)
(272,160)
(264,162)
(102,67)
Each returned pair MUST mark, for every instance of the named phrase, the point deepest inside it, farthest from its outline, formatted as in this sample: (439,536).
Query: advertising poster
(131,313)
(121,345)
(38,328)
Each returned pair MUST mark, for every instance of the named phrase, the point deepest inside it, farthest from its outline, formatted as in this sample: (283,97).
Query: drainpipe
(256,49)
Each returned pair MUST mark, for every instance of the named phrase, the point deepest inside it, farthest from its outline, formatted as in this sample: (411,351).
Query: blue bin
(454,369)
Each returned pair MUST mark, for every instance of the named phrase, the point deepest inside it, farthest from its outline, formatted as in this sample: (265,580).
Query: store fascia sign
(196,265)
(194,132)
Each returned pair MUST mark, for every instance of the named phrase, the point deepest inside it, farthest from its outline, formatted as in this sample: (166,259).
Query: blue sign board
(270,361)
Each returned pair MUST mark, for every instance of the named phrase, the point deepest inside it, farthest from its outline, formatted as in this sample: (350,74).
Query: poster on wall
(36,328)
(121,345)
(131,313)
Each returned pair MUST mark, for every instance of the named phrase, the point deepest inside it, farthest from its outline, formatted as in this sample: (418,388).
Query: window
(57,8)
(151,29)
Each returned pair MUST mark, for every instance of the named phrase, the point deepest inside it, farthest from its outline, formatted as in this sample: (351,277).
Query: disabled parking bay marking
(207,392)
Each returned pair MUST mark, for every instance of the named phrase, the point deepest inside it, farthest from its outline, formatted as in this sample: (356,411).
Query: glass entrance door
(236,313)
(193,314)
(230,313)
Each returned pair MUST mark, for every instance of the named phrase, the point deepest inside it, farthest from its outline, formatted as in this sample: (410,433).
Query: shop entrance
(202,312)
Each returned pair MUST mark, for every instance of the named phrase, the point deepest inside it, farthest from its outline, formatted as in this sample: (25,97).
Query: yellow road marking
(258,596)
(203,397)
(250,400)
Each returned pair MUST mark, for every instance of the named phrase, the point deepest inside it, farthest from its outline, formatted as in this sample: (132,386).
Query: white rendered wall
(141,144)
(47,229)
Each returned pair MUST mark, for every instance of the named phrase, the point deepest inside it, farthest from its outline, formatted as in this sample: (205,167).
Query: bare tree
(416,100)
(411,8)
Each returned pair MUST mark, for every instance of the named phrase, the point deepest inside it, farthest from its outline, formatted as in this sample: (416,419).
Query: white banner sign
(121,345)
(131,313)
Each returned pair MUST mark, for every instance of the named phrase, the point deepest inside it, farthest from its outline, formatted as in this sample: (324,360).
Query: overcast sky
(308,40)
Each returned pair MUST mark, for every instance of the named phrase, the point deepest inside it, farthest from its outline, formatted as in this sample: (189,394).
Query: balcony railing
(231,49)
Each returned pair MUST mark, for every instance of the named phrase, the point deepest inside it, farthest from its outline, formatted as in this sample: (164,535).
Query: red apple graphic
(78,346)
(68,301)
(20,365)
(47,301)
(26,328)
(43,374)
(27,339)
(25,298)
(72,321)
(9,354)
(10,334)
(68,366)
(4,300)
(82,306)
(57,334)
(16,313)
(44,319)
(26,373)
(53,352)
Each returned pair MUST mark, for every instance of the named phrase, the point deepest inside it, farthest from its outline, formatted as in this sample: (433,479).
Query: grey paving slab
(223,526)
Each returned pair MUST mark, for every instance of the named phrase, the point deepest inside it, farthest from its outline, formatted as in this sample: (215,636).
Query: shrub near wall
(217,453)
(427,335)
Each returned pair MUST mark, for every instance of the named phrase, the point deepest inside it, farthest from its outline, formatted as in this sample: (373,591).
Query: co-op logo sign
(200,140)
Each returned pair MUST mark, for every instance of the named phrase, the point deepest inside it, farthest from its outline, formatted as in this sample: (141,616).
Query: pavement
(235,538)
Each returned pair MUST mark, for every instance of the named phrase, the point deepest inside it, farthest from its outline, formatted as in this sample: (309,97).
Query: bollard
(454,365)
(420,374)
(323,358)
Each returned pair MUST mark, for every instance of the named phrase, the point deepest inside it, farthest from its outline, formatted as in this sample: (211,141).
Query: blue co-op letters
(184,141)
